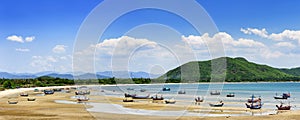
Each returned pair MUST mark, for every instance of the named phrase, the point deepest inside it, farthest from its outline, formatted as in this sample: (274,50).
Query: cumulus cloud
(198,42)
(285,35)
(262,33)
(59,49)
(15,38)
(22,49)
(50,63)
(29,39)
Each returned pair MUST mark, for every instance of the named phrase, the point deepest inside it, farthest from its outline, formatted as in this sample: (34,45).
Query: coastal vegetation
(235,70)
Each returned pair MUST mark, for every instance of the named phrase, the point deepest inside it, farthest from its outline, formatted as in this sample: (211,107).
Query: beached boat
(230,95)
(57,89)
(80,99)
(283,96)
(24,94)
(82,92)
(198,100)
(48,92)
(67,91)
(30,99)
(142,90)
(12,102)
(181,92)
(166,89)
(253,99)
(36,90)
(127,99)
(254,103)
(220,104)
(130,88)
(129,95)
(170,101)
(215,93)
(140,97)
(283,107)
(157,98)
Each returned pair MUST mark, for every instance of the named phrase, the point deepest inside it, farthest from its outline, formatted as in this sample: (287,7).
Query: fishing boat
(127,99)
(220,104)
(181,92)
(36,90)
(130,88)
(57,89)
(30,99)
(230,95)
(198,100)
(254,103)
(142,90)
(12,102)
(48,92)
(129,95)
(166,89)
(82,92)
(157,98)
(283,96)
(140,97)
(24,94)
(253,99)
(215,93)
(170,101)
(283,107)
(80,99)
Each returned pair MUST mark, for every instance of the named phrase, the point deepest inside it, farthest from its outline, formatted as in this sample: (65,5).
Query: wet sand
(45,107)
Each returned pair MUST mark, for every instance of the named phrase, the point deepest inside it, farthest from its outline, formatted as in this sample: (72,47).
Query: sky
(47,35)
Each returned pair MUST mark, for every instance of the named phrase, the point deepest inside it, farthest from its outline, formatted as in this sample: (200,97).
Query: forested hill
(237,70)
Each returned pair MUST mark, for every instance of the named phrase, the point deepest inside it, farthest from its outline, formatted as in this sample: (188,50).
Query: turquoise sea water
(242,92)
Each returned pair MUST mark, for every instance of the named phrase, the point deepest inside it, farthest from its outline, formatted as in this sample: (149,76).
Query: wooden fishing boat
(81,99)
(170,101)
(215,93)
(126,99)
(166,89)
(129,95)
(142,90)
(12,102)
(282,107)
(157,98)
(36,90)
(199,99)
(24,94)
(254,103)
(283,96)
(230,95)
(140,97)
(30,99)
(82,92)
(48,92)
(181,92)
(216,104)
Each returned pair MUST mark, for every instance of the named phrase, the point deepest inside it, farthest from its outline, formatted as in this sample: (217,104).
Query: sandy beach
(45,107)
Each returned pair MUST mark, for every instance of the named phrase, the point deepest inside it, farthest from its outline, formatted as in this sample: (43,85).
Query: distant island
(237,70)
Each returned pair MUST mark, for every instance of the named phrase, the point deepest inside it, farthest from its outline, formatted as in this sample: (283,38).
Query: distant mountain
(56,75)
(237,70)
(128,74)
(16,76)
(90,76)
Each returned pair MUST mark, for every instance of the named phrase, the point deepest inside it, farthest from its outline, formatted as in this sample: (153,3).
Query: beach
(64,106)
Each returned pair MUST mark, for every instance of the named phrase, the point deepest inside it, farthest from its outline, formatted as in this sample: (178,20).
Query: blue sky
(40,35)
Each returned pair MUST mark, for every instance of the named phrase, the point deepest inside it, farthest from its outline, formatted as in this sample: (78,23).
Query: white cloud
(15,38)
(198,42)
(51,63)
(22,49)
(59,49)
(262,33)
(286,34)
(29,39)
(285,44)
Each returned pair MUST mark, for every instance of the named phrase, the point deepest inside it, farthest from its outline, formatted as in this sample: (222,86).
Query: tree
(8,85)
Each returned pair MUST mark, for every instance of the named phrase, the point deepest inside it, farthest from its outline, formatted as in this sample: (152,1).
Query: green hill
(235,70)
(292,71)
